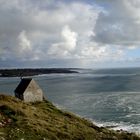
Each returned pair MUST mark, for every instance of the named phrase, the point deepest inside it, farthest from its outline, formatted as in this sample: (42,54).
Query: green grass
(43,121)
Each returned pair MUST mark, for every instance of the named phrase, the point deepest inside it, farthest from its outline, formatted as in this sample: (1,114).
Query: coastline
(125,99)
(21,120)
(34,71)
(109,125)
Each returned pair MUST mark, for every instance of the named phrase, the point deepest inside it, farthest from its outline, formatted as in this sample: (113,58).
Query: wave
(125,126)
(119,126)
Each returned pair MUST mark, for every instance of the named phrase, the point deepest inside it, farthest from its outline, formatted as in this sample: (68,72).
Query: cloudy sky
(75,33)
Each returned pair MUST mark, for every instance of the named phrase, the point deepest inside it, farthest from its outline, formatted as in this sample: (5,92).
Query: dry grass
(42,120)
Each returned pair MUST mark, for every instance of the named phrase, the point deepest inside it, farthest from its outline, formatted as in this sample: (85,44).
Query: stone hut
(28,90)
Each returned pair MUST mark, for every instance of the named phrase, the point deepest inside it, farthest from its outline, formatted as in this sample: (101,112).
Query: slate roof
(23,85)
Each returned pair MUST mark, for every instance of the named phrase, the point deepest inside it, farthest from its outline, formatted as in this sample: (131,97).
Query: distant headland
(34,71)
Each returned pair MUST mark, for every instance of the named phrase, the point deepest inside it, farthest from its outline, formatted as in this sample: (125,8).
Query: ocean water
(108,97)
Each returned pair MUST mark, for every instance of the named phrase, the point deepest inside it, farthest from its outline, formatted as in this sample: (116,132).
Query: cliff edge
(43,121)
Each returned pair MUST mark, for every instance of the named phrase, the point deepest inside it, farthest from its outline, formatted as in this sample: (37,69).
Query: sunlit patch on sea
(109,97)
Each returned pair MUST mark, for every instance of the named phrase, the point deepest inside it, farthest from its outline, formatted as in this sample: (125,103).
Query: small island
(34,71)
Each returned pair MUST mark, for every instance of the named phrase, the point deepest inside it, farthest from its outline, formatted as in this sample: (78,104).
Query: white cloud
(68,44)
(70,38)
(24,42)
(50,30)
(23,47)
(41,32)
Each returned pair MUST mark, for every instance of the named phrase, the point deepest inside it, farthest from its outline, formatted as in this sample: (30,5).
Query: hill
(43,121)
(33,71)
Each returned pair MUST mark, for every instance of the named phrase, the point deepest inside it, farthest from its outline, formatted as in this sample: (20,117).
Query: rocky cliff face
(43,121)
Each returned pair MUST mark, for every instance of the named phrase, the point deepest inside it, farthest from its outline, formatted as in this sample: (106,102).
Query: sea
(108,97)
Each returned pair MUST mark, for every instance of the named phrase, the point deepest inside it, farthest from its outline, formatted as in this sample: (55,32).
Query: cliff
(43,121)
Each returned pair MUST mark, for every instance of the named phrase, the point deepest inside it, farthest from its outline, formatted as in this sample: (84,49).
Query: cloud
(68,44)
(23,49)
(24,42)
(118,24)
(70,38)
(45,30)
(67,32)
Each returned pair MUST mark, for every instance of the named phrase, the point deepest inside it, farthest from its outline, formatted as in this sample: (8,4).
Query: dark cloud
(66,33)
(119,23)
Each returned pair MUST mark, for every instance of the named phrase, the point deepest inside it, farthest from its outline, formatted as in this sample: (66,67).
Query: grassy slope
(43,121)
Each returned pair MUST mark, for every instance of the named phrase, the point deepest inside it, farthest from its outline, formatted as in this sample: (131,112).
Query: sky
(63,33)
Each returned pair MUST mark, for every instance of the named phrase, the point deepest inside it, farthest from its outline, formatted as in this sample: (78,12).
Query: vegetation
(32,72)
(43,121)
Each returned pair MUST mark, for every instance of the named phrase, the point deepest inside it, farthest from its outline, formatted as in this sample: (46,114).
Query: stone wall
(33,93)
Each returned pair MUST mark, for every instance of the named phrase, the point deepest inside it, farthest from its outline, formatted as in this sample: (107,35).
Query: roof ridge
(23,85)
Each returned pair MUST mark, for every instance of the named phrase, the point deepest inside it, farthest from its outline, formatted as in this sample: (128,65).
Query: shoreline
(125,126)
(34,72)
(65,125)
(109,125)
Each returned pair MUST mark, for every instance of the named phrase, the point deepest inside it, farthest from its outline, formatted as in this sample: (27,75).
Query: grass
(43,121)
